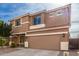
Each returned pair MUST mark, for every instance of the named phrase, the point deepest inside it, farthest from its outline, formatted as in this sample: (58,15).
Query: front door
(22,40)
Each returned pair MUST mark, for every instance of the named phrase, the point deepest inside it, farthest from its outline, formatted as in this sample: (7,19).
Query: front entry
(22,40)
(18,40)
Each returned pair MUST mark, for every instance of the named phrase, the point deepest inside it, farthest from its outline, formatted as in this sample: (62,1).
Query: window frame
(36,20)
(17,22)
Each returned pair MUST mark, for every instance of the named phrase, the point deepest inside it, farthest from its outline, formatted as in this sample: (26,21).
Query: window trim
(44,34)
(37,26)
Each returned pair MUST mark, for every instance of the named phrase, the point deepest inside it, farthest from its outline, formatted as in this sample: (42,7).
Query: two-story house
(43,29)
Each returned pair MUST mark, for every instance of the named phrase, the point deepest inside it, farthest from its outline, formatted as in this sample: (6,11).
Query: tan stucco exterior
(53,30)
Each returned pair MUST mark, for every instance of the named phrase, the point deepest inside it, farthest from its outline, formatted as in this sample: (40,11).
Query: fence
(74,43)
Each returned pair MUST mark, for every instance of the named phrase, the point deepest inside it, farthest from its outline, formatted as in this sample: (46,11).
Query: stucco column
(10,42)
(31,20)
(43,18)
(26,42)
(64,44)
(18,40)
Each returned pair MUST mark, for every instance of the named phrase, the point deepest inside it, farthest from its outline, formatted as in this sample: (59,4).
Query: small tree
(1,27)
(1,23)
(5,29)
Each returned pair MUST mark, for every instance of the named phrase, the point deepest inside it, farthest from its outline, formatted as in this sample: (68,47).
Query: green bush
(7,43)
(2,42)
(13,45)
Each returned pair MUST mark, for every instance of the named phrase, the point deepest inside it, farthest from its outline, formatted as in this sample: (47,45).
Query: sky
(9,11)
(74,28)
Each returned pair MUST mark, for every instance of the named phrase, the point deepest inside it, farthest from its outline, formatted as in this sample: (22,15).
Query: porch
(18,39)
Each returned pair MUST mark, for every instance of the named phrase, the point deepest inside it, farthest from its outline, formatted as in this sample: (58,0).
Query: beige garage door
(45,42)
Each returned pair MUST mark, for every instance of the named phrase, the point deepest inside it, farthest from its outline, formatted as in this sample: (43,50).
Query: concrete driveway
(31,52)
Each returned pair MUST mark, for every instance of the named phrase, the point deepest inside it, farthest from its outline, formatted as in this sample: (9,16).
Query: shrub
(13,45)
(2,42)
(7,43)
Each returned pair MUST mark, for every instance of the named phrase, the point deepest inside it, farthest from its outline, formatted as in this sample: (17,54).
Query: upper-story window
(37,20)
(18,22)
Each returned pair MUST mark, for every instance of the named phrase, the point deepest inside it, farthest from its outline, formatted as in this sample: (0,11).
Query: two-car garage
(50,40)
(45,42)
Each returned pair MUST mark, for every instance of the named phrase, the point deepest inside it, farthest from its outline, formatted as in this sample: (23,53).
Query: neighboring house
(43,30)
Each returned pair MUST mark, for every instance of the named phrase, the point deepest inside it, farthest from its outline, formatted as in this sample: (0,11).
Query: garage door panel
(45,42)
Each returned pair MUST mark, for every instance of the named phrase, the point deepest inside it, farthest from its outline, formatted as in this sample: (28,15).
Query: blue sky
(11,10)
